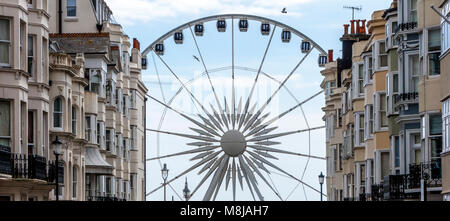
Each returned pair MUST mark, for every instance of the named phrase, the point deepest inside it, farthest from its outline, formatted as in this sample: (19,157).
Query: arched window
(58,113)
(74,120)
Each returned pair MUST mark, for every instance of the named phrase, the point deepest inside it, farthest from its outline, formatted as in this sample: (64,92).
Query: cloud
(138,11)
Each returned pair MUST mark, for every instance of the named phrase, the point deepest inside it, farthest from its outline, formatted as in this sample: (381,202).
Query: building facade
(71,74)
(393,95)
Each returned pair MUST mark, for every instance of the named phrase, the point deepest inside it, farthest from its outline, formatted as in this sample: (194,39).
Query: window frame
(446,126)
(71,6)
(359,130)
(31,70)
(431,52)
(7,42)
(9,102)
(61,113)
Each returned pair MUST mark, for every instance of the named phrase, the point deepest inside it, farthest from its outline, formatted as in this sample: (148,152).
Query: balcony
(28,167)
(406,98)
(408,26)
(407,186)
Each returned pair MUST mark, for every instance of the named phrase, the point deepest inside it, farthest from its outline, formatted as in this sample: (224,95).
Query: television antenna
(353,8)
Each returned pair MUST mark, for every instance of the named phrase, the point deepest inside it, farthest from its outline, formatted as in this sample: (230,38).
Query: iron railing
(22,166)
(405,98)
(377,193)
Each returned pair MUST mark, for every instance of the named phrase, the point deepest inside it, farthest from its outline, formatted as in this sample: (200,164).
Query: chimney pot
(363,27)
(358,27)
(346,26)
(352,31)
(330,55)
(136,44)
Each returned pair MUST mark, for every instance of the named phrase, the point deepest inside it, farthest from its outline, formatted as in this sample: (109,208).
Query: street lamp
(186,191)
(57,150)
(165,174)
(321,181)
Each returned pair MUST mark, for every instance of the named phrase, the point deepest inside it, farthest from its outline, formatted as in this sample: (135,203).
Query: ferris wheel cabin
(221,25)
(243,25)
(199,29)
(265,28)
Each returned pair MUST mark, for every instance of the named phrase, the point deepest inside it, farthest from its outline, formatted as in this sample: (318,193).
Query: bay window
(434,51)
(101,134)
(380,55)
(95,81)
(110,140)
(368,70)
(5,42)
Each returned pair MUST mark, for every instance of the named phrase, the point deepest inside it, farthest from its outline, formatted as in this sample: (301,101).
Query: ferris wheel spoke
(206,70)
(202,155)
(273,120)
(268,149)
(267,137)
(259,71)
(259,121)
(203,149)
(246,116)
(240,177)
(279,169)
(186,171)
(261,110)
(221,177)
(195,100)
(228,178)
(185,116)
(250,177)
(267,155)
(252,165)
(217,116)
(215,179)
(207,139)
(234,179)
(211,170)
(233,102)
(201,132)
(227,110)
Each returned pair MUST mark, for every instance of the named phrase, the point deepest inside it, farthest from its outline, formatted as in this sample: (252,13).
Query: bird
(284,11)
(196,58)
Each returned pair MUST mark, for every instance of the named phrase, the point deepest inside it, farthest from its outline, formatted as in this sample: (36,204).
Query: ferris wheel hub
(233,143)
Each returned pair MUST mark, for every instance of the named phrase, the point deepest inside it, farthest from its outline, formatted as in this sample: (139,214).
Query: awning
(96,164)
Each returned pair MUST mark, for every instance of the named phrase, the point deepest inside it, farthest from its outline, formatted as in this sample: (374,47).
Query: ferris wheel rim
(187,25)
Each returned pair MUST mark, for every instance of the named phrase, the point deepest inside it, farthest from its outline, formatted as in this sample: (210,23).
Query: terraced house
(69,74)
(394,115)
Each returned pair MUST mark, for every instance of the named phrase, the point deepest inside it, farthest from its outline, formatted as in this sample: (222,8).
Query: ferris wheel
(231,142)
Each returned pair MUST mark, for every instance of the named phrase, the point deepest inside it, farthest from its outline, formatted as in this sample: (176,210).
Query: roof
(95,163)
(88,43)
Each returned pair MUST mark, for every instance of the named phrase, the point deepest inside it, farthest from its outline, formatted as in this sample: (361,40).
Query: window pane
(57,105)
(436,147)
(4,53)
(435,125)
(71,11)
(5,126)
(434,63)
(4,30)
(71,2)
(434,40)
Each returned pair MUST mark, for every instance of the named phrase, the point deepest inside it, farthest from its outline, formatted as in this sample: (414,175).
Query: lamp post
(186,191)
(57,150)
(321,181)
(165,174)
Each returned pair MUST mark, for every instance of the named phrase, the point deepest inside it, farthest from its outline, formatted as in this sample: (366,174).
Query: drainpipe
(60,16)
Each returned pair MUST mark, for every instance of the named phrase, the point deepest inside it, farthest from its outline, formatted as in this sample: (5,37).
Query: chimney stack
(352,31)
(330,55)
(346,26)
